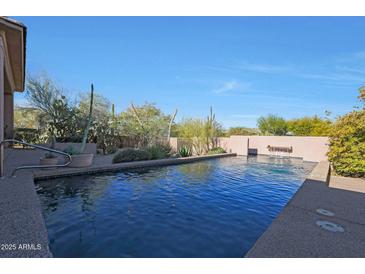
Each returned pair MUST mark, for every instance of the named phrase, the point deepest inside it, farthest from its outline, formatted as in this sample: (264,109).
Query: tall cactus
(113,111)
(210,129)
(89,120)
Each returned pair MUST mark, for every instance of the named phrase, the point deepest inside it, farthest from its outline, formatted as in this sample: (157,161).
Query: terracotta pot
(48,161)
(81,160)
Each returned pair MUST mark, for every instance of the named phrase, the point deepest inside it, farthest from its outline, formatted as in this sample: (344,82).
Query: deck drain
(325,212)
(332,227)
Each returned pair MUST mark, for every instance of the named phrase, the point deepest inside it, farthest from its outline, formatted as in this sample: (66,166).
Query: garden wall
(309,148)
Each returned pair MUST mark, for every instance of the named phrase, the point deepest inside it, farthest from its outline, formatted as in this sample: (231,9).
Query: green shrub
(347,145)
(130,155)
(72,150)
(159,151)
(111,149)
(28,135)
(216,150)
(184,151)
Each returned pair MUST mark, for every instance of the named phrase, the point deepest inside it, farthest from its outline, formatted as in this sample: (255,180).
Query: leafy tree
(272,125)
(347,143)
(310,126)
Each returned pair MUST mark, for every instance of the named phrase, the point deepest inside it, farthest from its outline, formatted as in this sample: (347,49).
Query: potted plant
(49,158)
(78,157)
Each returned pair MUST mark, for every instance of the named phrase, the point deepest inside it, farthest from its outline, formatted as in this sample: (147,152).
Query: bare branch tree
(170,125)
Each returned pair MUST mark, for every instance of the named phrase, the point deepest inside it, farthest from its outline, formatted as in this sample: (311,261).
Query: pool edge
(67,172)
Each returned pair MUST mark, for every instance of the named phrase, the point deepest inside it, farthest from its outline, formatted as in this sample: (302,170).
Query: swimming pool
(214,208)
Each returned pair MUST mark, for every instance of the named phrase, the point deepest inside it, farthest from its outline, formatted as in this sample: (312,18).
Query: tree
(58,117)
(310,126)
(362,94)
(101,106)
(194,131)
(147,123)
(272,125)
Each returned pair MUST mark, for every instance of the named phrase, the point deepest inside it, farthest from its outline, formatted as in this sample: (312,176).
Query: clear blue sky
(242,66)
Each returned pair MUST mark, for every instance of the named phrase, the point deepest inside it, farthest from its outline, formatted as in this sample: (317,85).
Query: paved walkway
(22,229)
(345,183)
(295,233)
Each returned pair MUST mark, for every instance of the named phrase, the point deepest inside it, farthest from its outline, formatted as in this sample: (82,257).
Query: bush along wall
(347,145)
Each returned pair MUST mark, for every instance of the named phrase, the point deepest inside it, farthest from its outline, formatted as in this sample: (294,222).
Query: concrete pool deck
(295,233)
(292,234)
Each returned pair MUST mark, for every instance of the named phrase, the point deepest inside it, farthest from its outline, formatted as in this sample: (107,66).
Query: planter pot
(82,160)
(48,161)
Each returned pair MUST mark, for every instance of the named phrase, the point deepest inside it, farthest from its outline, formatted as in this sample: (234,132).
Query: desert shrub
(347,145)
(72,150)
(159,151)
(216,150)
(184,151)
(130,155)
(28,135)
(111,149)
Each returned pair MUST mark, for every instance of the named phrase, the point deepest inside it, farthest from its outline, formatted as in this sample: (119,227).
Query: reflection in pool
(215,208)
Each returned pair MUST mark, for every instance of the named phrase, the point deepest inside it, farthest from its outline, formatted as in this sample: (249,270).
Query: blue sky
(244,67)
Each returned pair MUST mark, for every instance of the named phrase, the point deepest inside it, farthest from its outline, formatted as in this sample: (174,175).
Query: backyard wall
(309,148)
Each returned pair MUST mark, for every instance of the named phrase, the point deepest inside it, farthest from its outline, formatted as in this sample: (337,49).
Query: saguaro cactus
(210,129)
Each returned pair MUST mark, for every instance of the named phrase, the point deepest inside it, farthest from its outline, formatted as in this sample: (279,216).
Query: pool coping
(67,172)
(320,174)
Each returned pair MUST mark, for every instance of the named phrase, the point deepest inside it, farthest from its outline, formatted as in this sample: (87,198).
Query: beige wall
(309,148)
(238,144)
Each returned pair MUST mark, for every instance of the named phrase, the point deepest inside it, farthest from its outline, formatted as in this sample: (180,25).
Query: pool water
(214,208)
